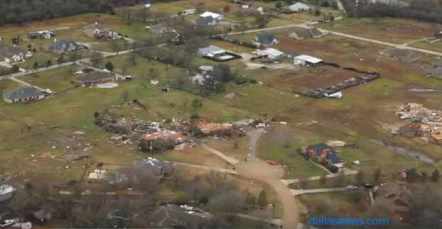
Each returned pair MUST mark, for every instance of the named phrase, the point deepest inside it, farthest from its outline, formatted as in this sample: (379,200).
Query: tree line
(21,11)
(423,10)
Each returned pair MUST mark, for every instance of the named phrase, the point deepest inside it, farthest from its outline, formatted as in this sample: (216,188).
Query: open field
(385,29)
(37,136)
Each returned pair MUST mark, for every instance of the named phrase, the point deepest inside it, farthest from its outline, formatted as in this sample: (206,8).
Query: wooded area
(19,11)
(424,10)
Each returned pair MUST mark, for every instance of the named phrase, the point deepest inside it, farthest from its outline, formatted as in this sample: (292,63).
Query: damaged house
(65,46)
(324,155)
(161,140)
(100,32)
(306,33)
(266,39)
(180,216)
(43,34)
(216,129)
(89,78)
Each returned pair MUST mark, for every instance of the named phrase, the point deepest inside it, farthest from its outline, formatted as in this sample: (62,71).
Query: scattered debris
(6,192)
(425,123)
(306,33)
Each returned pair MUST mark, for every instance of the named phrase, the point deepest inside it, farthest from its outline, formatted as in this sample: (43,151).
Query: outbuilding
(306,60)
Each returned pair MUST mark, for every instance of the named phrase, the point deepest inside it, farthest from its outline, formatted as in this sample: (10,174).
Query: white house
(299,7)
(215,16)
(306,60)
(270,53)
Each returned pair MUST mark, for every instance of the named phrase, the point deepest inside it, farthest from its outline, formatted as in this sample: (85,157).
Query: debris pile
(332,90)
(425,123)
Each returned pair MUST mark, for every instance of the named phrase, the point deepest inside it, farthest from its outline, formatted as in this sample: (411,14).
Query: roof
(299,6)
(269,52)
(211,50)
(265,38)
(95,77)
(308,59)
(320,149)
(205,21)
(23,92)
(212,14)
(208,128)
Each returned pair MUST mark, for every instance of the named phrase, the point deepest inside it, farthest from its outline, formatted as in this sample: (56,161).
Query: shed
(306,60)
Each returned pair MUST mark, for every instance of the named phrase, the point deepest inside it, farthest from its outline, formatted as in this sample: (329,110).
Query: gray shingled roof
(22,92)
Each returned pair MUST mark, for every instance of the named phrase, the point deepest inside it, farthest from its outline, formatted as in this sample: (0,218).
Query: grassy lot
(384,29)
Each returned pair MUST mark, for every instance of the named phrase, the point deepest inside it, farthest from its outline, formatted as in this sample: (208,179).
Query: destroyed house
(215,129)
(12,54)
(64,46)
(166,135)
(155,166)
(323,154)
(306,33)
(23,95)
(216,53)
(180,216)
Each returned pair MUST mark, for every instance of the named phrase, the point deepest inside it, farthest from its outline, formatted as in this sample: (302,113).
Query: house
(43,34)
(270,53)
(216,53)
(299,7)
(13,54)
(325,155)
(266,39)
(306,60)
(217,17)
(23,95)
(306,33)
(147,4)
(206,21)
(180,216)
(92,78)
(64,46)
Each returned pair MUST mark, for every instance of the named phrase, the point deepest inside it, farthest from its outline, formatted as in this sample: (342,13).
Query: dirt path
(270,175)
